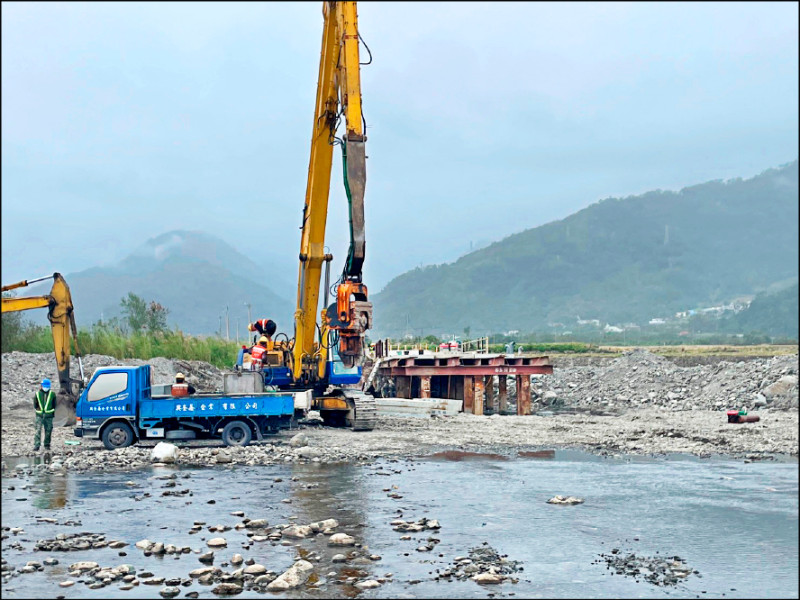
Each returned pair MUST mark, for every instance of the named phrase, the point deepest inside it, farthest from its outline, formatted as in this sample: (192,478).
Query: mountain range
(618,260)
(195,275)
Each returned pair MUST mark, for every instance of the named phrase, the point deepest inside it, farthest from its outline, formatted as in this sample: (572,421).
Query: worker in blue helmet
(44,404)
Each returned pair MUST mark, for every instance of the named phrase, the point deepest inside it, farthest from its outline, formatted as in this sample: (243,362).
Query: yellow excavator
(325,356)
(62,322)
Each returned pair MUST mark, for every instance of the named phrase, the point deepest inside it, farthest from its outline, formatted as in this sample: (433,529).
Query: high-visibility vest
(258,357)
(46,404)
(180,389)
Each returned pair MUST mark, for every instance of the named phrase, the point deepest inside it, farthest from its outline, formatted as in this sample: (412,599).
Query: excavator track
(363,416)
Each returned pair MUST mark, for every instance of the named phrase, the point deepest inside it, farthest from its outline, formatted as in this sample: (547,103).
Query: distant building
(595,322)
(612,329)
(657,321)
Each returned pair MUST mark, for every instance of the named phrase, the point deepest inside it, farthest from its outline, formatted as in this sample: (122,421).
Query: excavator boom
(62,323)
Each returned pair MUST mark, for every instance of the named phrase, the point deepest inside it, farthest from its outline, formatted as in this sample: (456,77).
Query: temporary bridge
(466,376)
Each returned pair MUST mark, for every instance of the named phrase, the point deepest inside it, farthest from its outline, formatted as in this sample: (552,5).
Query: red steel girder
(423,371)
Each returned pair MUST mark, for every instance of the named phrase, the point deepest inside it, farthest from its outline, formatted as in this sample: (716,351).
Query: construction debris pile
(640,379)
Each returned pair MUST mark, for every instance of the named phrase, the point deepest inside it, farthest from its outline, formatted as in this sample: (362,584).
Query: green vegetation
(143,317)
(620,260)
(138,337)
(102,340)
(13,327)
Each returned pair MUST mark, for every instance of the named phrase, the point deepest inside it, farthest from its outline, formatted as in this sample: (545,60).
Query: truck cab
(111,395)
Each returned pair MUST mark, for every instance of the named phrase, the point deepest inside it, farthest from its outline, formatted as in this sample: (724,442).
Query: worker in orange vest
(180,387)
(264,327)
(258,352)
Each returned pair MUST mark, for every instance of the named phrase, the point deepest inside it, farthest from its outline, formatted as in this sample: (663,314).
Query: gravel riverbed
(645,422)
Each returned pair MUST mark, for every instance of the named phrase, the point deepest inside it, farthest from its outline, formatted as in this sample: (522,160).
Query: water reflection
(53,493)
(339,493)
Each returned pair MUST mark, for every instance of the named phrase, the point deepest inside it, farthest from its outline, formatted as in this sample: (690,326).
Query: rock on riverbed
(484,565)
(658,570)
(294,577)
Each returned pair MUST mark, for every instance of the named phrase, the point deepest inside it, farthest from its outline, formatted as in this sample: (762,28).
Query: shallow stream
(736,523)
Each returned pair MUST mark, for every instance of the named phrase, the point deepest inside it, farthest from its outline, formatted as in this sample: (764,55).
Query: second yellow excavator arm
(62,323)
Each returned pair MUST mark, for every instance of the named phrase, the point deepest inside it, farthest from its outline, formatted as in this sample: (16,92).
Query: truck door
(108,395)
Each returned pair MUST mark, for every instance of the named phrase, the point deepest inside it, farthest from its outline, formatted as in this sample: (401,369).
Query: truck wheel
(117,435)
(236,433)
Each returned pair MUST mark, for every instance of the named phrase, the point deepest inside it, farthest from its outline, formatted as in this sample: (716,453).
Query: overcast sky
(121,121)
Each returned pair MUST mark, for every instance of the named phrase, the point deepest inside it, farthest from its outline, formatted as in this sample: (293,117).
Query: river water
(734,522)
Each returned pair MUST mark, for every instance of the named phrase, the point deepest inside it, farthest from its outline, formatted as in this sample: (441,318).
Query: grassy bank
(173,344)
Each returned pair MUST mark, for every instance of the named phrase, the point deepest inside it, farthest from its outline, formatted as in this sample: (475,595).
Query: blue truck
(119,407)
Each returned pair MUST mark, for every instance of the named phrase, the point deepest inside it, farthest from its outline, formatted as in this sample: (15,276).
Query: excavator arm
(338,94)
(62,323)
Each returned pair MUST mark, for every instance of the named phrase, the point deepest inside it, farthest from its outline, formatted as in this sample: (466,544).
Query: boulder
(298,441)
(223,457)
(309,452)
(565,500)
(323,525)
(227,589)
(217,542)
(294,577)
(257,524)
(201,571)
(84,565)
(255,569)
(164,452)
(341,539)
(368,584)
(780,387)
(488,578)
(297,531)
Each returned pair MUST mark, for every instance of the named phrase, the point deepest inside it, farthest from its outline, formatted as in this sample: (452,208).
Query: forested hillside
(619,260)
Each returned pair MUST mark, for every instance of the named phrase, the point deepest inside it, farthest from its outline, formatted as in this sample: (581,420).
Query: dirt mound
(23,372)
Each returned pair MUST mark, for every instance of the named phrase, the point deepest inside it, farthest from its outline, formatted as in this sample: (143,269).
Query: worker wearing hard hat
(265,327)
(180,387)
(258,352)
(44,405)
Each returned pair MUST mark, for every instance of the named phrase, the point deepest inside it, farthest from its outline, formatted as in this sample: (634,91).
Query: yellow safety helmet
(179,376)
(250,327)
(263,340)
